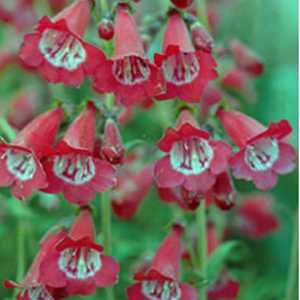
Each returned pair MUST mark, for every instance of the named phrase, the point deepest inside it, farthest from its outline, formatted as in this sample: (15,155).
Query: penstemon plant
(100,65)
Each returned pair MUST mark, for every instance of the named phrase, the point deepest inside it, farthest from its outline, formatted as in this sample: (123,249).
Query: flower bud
(106,29)
(182,3)
(202,40)
(112,148)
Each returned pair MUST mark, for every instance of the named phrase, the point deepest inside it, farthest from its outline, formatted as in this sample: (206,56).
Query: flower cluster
(35,161)
(69,263)
(58,52)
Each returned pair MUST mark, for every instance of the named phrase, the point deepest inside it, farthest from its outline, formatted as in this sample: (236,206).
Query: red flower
(224,288)
(185,70)
(187,200)
(255,216)
(20,167)
(223,193)
(21,14)
(211,96)
(23,108)
(77,263)
(160,281)
(193,159)
(112,148)
(129,75)
(32,288)
(237,80)
(56,49)
(246,59)
(72,169)
(263,152)
(130,191)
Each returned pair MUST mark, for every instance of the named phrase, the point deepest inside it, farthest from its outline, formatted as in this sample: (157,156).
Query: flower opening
(74,169)
(181,68)
(62,49)
(191,156)
(262,154)
(157,290)
(131,70)
(20,164)
(80,263)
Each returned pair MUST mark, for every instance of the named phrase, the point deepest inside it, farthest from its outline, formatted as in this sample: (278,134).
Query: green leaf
(229,249)
(19,209)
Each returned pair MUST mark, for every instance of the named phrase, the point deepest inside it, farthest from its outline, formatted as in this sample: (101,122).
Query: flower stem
(292,273)
(104,6)
(7,130)
(106,229)
(202,246)
(202,12)
(20,254)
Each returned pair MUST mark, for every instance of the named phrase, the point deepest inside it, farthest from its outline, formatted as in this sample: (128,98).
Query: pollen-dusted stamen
(74,169)
(181,68)
(161,290)
(21,164)
(80,263)
(191,156)
(131,70)
(39,293)
(62,49)
(261,155)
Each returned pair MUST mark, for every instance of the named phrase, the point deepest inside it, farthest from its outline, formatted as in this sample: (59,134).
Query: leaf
(18,209)
(229,249)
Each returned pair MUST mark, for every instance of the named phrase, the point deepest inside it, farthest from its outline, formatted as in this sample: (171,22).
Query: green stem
(292,273)
(107,236)
(202,246)
(202,12)
(104,6)
(20,254)
(6,129)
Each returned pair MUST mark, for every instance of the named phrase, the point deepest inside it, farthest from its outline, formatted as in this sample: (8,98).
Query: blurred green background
(270,28)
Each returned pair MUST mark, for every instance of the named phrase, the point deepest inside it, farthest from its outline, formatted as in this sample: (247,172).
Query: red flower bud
(255,217)
(112,148)
(106,29)
(23,108)
(202,40)
(246,59)
(223,192)
(182,3)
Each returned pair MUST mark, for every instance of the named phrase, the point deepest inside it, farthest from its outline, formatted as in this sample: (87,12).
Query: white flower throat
(131,70)
(21,164)
(161,290)
(181,68)
(262,154)
(191,156)
(80,263)
(61,49)
(75,169)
